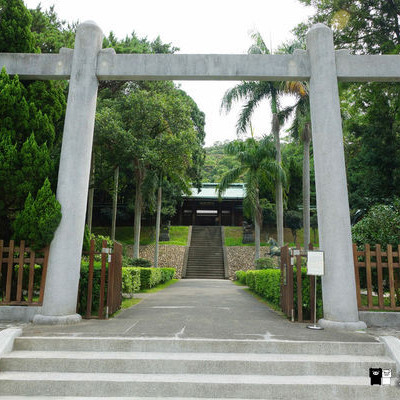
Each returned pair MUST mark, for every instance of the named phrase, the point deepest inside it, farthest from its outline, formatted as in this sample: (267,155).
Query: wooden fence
(17,287)
(377,275)
(110,283)
(291,258)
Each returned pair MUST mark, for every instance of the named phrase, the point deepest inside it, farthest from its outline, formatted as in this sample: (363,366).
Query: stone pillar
(181,211)
(60,296)
(338,283)
(193,215)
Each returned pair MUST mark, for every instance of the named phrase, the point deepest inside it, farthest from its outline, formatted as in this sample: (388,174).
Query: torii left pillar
(59,303)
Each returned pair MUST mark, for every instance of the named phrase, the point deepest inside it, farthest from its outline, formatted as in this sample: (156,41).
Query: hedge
(167,274)
(83,286)
(133,280)
(37,277)
(130,279)
(241,276)
(150,277)
(267,284)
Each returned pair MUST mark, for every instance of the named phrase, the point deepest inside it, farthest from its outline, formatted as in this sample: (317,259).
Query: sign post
(315,267)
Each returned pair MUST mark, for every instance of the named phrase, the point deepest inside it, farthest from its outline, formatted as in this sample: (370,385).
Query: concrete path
(216,309)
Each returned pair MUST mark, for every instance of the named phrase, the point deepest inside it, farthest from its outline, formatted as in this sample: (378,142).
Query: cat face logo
(386,373)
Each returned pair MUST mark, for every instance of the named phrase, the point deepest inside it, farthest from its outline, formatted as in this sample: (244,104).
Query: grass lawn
(233,236)
(364,301)
(124,234)
(159,287)
(179,234)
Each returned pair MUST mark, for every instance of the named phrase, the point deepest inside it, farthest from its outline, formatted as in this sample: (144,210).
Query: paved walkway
(216,309)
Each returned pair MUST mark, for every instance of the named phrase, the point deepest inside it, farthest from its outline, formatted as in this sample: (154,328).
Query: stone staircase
(118,367)
(206,254)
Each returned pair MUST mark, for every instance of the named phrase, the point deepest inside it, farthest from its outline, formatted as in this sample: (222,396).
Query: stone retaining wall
(242,258)
(169,256)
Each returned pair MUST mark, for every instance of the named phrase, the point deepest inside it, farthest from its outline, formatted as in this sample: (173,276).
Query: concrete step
(204,268)
(209,268)
(115,367)
(193,363)
(204,245)
(185,385)
(102,398)
(141,344)
(205,262)
(204,277)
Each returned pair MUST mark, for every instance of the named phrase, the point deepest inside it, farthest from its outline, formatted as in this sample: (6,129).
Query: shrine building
(205,207)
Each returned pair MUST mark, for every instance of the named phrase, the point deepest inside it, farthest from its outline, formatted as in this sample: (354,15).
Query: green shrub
(305,280)
(39,219)
(251,280)
(294,221)
(149,277)
(86,240)
(241,276)
(133,280)
(380,225)
(265,263)
(98,242)
(83,287)
(137,262)
(37,276)
(130,279)
(167,274)
(267,283)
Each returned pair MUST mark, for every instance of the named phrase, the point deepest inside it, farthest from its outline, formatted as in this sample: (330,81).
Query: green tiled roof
(235,191)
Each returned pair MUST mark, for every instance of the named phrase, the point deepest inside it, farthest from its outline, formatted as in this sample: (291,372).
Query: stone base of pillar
(56,319)
(341,325)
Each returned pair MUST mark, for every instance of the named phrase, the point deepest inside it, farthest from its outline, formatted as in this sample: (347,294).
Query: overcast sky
(196,27)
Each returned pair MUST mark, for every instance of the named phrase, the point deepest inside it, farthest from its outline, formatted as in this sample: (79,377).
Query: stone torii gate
(88,63)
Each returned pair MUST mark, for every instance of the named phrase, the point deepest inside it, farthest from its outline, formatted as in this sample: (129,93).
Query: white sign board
(315,263)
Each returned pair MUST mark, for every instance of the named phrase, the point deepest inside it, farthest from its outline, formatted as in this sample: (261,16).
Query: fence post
(380,275)
(357,274)
(299,286)
(391,275)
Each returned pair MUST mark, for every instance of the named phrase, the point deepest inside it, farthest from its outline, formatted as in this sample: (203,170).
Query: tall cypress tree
(15,27)
(30,115)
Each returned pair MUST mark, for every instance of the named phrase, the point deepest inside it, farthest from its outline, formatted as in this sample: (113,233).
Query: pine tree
(38,220)
(15,27)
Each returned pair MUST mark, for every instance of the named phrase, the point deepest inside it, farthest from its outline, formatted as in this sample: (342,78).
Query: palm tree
(301,131)
(253,93)
(259,167)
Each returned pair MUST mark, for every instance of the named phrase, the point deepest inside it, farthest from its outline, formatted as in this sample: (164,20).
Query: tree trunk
(91,194)
(138,210)
(158,224)
(115,203)
(257,226)
(257,237)
(278,190)
(306,185)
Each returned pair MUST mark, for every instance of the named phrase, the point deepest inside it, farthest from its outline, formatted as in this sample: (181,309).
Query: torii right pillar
(338,283)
